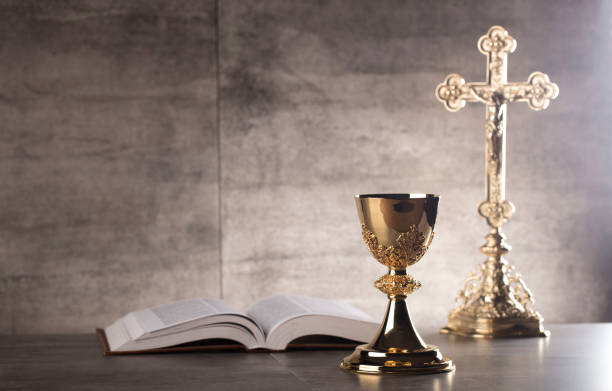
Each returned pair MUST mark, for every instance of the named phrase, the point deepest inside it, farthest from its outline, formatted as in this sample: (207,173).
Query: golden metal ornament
(495,301)
(398,229)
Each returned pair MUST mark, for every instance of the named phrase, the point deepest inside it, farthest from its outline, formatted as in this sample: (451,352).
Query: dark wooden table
(575,357)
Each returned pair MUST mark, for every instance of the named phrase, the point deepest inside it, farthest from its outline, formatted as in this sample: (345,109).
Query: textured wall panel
(108,149)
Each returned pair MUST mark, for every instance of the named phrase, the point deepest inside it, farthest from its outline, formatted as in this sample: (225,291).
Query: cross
(495,93)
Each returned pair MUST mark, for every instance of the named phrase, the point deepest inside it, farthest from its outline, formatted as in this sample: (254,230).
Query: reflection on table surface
(574,357)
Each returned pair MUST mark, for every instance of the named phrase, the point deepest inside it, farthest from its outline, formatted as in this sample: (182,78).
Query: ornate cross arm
(537,91)
(454,92)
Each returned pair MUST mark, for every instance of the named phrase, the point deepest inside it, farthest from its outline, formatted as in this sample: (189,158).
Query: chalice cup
(398,229)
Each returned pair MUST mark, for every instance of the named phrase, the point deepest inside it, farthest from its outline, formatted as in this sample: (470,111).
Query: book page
(180,322)
(183,311)
(270,312)
(330,307)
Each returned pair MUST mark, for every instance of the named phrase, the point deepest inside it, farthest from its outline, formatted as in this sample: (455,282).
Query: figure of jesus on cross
(495,303)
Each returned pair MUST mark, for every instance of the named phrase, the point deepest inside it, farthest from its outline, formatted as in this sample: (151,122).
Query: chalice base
(466,325)
(397,347)
(378,362)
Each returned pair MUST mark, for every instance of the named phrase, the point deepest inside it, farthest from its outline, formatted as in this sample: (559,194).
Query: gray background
(156,150)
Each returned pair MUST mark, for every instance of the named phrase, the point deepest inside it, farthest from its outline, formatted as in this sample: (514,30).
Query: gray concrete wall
(117,149)
(109,140)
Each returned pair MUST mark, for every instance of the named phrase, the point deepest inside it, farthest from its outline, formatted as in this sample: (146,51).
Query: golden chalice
(398,229)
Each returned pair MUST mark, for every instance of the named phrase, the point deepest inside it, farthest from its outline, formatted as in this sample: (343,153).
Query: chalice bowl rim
(398,196)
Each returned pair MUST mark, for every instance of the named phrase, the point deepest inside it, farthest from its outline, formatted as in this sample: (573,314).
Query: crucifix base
(495,303)
(466,325)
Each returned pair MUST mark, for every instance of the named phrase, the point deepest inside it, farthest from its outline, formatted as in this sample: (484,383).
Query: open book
(272,324)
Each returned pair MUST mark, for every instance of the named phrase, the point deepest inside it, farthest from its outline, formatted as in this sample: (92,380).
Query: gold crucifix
(494,303)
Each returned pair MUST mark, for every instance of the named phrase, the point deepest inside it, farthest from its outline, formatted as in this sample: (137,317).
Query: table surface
(574,357)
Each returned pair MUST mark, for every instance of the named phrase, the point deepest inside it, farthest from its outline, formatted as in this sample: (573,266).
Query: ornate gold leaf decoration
(397,285)
(409,249)
(497,291)
(482,300)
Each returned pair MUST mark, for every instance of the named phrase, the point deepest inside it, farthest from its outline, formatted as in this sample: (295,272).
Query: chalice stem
(397,329)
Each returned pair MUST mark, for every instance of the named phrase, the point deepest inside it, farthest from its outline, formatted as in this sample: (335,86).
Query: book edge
(297,346)
(107,352)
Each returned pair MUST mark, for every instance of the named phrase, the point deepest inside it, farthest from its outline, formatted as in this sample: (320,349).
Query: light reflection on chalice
(398,229)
